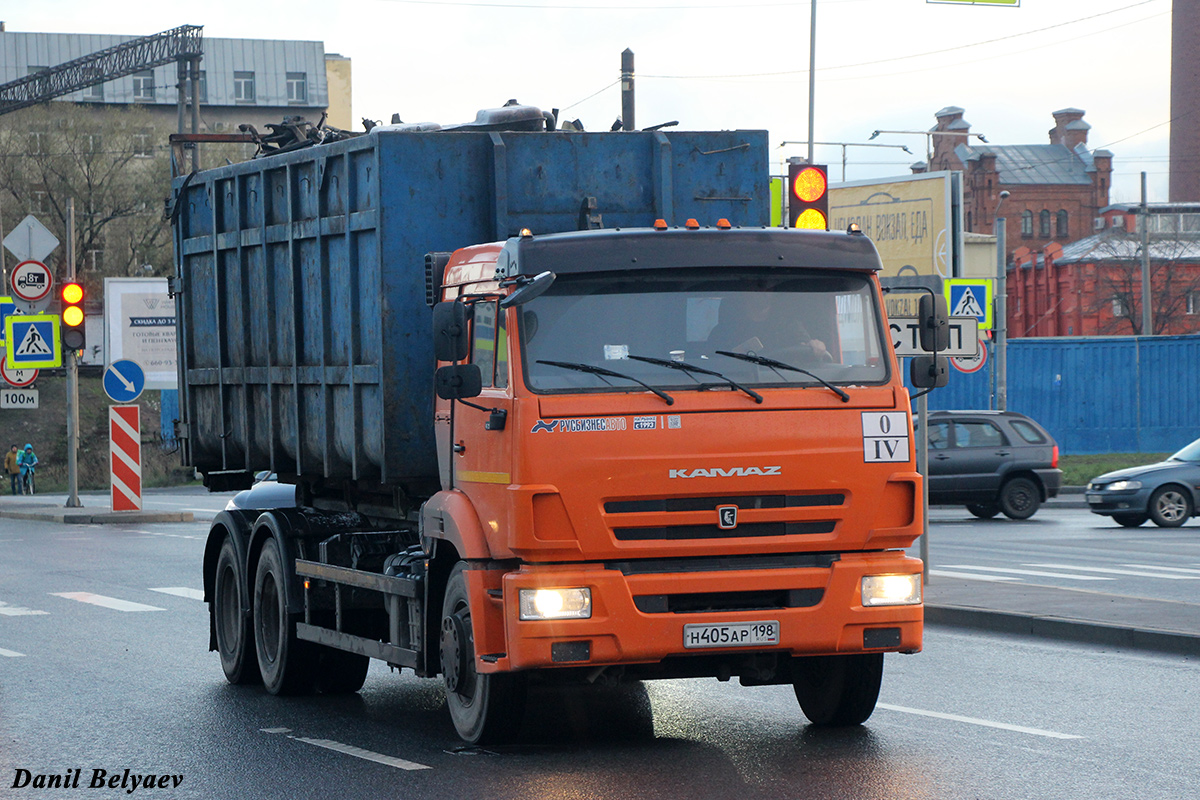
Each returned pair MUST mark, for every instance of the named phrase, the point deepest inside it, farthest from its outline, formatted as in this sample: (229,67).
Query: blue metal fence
(1119,394)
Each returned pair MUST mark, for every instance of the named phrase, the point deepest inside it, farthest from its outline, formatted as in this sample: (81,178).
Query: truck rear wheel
(235,633)
(341,672)
(485,708)
(287,663)
(838,690)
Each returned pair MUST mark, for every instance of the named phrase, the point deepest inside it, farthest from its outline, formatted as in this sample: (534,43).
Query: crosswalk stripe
(1034,573)
(18,611)
(181,591)
(106,602)
(970,577)
(1109,571)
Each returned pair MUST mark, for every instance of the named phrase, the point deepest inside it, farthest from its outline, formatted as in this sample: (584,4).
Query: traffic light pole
(72,366)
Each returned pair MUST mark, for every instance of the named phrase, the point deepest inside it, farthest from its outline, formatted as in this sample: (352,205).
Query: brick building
(1056,190)
(1092,287)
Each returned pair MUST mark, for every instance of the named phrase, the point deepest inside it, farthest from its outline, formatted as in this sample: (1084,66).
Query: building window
(297,87)
(1060,224)
(93,259)
(37,143)
(1044,224)
(143,85)
(95,92)
(94,142)
(1193,303)
(1119,309)
(187,88)
(1027,223)
(243,87)
(36,70)
(143,143)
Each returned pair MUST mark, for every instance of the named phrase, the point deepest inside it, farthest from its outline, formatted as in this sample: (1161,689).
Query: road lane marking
(942,573)
(10,653)
(18,611)
(167,535)
(1164,569)
(351,750)
(1031,572)
(976,721)
(182,591)
(1109,571)
(106,602)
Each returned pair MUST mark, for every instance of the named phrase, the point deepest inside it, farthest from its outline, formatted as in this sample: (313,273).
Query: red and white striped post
(125,457)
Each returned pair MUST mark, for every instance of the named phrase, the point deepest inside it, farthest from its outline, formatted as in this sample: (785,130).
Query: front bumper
(1109,503)
(638,616)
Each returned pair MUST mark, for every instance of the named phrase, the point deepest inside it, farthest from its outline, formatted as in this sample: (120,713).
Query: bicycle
(27,483)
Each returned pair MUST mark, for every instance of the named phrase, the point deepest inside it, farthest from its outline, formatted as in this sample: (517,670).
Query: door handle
(1002,452)
(941,456)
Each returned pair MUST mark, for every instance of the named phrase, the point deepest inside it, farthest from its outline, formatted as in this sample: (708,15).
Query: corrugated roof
(1034,164)
(1127,247)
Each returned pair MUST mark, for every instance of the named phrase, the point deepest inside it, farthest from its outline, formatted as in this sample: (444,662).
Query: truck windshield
(825,322)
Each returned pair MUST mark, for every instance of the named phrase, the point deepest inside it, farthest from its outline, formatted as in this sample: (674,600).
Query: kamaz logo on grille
(732,472)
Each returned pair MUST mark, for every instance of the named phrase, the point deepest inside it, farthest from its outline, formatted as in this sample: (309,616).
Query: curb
(77,517)
(1064,629)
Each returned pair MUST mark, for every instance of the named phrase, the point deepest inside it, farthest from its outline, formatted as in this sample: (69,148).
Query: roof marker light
(692,225)
(723,224)
(660,224)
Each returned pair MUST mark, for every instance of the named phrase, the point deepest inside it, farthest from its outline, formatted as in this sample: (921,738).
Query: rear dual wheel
(231,618)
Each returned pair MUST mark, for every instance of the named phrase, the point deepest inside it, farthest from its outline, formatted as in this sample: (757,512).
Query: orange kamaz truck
(547,407)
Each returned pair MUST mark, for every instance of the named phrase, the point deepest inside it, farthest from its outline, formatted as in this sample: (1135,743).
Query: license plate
(731,634)
(1095,498)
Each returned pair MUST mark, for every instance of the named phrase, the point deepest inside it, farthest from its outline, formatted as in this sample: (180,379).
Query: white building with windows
(256,81)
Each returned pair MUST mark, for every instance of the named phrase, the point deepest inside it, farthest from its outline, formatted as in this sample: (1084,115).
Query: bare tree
(1174,277)
(114,162)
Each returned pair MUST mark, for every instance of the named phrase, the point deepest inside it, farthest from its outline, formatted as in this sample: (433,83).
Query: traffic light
(74,337)
(808,197)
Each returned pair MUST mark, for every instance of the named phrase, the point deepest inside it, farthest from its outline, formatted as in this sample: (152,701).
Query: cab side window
(489,344)
(939,436)
(977,434)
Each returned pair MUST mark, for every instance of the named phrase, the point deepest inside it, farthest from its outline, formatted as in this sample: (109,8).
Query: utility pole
(72,366)
(812,79)
(1001,322)
(1147,297)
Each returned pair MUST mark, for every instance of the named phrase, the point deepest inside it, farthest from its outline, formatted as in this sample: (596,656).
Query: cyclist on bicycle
(27,460)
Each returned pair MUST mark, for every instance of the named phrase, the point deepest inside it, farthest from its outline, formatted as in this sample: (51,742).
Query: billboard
(140,326)
(915,222)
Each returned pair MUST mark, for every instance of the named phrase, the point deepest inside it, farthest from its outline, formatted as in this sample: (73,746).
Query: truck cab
(689,454)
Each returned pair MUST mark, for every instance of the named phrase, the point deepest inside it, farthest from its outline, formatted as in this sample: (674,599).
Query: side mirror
(934,322)
(458,381)
(536,287)
(929,372)
(450,341)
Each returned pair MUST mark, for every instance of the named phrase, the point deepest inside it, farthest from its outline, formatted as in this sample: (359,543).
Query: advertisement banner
(140,326)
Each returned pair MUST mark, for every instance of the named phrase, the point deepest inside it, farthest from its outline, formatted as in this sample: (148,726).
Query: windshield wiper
(778,365)
(683,366)
(610,373)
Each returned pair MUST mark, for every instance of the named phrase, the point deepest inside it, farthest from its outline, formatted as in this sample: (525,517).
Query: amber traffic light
(808,197)
(74,337)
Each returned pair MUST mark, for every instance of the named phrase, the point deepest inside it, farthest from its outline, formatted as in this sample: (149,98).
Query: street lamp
(929,140)
(844,145)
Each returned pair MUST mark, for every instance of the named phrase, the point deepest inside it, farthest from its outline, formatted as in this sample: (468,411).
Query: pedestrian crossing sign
(31,341)
(970,297)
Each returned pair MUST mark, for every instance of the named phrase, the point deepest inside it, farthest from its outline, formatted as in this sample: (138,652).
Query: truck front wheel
(838,690)
(231,619)
(287,663)
(486,708)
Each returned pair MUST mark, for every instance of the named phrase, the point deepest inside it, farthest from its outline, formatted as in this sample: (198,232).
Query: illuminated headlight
(556,604)
(1121,486)
(891,590)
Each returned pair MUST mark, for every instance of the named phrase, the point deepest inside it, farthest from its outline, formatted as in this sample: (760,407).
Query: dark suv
(991,462)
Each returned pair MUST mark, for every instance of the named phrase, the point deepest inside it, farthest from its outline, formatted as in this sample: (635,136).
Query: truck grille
(700,603)
(670,504)
(669,532)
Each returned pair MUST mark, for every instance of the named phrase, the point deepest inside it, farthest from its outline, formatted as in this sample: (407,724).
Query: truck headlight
(1123,486)
(891,590)
(555,604)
